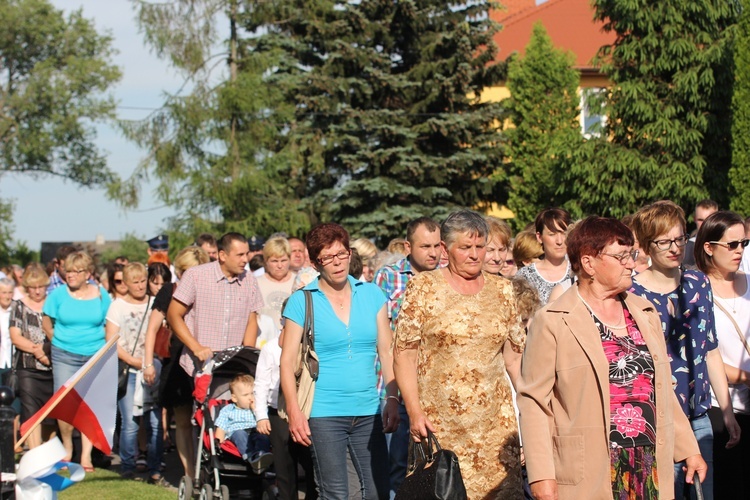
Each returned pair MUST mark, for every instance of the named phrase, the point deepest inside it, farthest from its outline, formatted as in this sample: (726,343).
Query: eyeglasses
(118,282)
(324,260)
(40,287)
(731,245)
(624,257)
(663,245)
(510,262)
(76,271)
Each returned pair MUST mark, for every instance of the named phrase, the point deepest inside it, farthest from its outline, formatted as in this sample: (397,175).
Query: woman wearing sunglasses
(683,299)
(719,247)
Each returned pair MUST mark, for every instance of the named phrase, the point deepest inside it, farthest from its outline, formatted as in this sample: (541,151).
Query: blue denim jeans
(129,433)
(248,441)
(364,438)
(65,364)
(398,450)
(705,437)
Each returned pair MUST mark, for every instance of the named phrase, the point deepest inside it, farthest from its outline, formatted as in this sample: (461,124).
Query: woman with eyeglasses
(350,326)
(115,282)
(599,418)
(73,319)
(683,299)
(719,246)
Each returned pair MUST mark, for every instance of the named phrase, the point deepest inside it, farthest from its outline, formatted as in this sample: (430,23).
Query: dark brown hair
(592,234)
(713,229)
(325,235)
(553,219)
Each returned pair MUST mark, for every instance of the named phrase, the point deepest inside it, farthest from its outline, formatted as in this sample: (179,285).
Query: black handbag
(123,368)
(433,474)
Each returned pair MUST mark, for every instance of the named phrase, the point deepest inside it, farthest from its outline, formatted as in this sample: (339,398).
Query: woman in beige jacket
(599,418)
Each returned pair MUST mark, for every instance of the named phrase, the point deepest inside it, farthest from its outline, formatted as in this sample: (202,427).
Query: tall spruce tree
(739,173)
(543,109)
(388,127)
(666,66)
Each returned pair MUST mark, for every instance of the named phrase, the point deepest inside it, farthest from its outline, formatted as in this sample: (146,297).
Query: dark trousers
(286,455)
(731,477)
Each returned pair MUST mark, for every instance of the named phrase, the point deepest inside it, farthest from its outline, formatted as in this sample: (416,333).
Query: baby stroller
(216,465)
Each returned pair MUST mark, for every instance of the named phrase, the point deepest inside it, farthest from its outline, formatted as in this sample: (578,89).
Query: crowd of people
(579,359)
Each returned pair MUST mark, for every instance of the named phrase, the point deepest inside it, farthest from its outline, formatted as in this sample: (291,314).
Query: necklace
(620,326)
(81,293)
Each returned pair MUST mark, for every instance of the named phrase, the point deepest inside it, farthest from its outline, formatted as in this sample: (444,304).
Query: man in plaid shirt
(423,245)
(215,305)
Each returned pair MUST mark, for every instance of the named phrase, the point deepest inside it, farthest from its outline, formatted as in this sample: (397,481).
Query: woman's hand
(149,374)
(390,415)
(299,428)
(419,424)
(695,464)
(264,426)
(546,489)
(730,422)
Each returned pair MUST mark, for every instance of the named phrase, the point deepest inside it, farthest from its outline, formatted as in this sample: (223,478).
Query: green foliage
(739,173)
(387,127)
(131,246)
(12,252)
(543,109)
(215,151)
(56,72)
(666,66)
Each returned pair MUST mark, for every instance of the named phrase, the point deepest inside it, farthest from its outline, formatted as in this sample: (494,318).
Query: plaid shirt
(219,308)
(54,281)
(392,280)
(233,418)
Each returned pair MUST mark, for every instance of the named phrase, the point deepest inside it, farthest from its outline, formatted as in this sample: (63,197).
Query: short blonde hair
(527,297)
(366,249)
(498,229)
(655,219)
(242,378)
(277,247)
(397,245)
(526,247)
(134,270)
(35,275)
(80,260)
(190,257)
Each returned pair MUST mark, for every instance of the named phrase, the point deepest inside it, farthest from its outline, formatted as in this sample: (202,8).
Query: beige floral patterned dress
(463,388)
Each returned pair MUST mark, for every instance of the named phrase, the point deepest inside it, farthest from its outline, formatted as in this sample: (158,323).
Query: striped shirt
(219,308)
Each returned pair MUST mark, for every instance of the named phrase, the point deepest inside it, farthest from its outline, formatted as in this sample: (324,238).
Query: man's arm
(251,330)
(176,319)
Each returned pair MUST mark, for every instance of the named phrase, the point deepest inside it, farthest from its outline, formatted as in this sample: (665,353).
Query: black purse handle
(433,446)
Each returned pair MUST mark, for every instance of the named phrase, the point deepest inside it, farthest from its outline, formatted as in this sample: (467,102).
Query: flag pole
(92,362)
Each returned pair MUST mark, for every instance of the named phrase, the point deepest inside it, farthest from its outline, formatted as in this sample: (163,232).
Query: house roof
(569,23)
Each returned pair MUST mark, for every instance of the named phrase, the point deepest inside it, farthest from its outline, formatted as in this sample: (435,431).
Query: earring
(591,279)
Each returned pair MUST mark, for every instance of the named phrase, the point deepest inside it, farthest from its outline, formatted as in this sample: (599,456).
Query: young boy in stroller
(236,422)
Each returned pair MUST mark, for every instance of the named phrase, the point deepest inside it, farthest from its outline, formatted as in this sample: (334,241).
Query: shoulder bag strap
(308,334)
(736,326)
(143,319)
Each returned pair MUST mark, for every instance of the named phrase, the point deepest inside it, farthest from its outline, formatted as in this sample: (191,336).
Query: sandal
(88,468)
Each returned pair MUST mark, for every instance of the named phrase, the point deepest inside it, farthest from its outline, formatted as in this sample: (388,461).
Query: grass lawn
(106,484)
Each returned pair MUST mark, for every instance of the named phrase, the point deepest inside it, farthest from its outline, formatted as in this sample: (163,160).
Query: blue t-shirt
(687,320)
(347,382)
(79,324)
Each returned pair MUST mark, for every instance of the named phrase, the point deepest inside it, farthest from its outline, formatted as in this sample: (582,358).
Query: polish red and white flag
(87,400)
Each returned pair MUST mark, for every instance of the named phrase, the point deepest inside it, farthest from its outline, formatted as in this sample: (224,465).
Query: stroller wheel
(207,492)
(271,493)
(224,492)
(185,489)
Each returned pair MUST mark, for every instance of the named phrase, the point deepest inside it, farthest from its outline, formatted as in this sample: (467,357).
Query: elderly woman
(599,418)
(32,362)
(683,299)
(351,328)
(458,332)
(718,251)
(550,226)
(498,241)
(175,386)
(128,317)
(73,320)
(276,283)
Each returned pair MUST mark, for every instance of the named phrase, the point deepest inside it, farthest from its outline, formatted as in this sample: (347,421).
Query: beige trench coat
(563,399)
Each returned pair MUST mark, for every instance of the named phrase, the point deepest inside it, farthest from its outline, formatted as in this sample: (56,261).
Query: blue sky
(49,209)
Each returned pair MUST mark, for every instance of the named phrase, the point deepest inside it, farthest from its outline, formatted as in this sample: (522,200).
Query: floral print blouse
(632,402)
(687,320)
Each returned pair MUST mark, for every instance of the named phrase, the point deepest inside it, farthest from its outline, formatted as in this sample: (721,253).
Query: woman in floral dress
(458,331)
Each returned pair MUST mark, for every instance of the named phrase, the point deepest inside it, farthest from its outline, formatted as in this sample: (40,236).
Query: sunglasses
(118,282)
(731,245)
